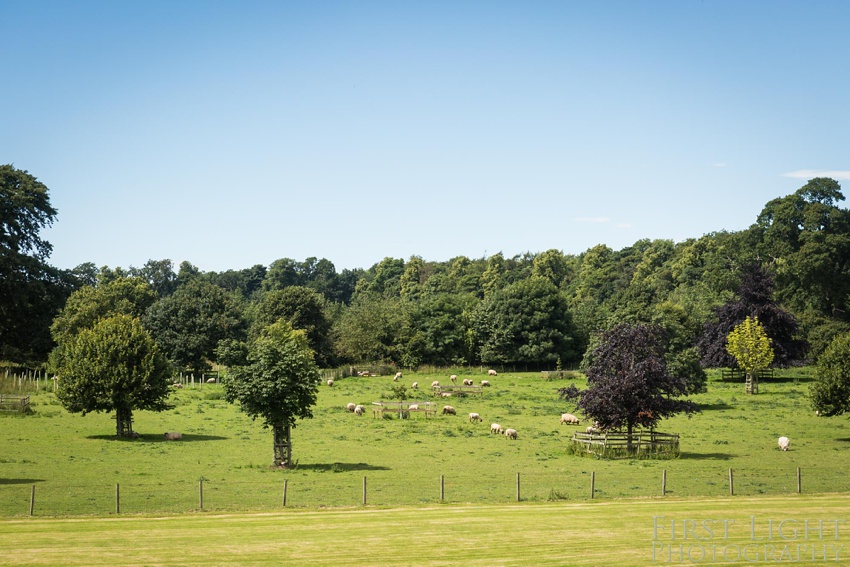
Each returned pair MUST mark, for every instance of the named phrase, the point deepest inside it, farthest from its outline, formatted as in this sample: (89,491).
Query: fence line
(49,499)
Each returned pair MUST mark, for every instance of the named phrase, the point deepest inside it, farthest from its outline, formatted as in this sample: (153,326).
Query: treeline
(530,311)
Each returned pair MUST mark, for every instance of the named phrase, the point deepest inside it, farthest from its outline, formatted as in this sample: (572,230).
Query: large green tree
(278,382)
(830,393)
(190,323)
(31,291)
(114,365)
(305,309)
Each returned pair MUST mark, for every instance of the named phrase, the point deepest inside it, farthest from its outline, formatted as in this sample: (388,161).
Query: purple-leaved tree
(628,383)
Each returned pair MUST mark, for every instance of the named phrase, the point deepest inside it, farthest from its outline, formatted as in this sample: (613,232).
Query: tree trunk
(124,422)
(282,446)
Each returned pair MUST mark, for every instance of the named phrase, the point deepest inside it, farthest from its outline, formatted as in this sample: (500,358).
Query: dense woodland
(538,310)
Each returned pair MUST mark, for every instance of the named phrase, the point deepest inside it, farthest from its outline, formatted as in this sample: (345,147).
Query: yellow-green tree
(752,349)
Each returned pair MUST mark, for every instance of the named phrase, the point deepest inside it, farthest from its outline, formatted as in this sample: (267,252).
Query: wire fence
(380,488)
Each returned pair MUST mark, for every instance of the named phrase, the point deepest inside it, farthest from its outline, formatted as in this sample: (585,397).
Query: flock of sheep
(474,417)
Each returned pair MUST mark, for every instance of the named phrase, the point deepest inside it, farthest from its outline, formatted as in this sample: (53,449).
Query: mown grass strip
(623,532)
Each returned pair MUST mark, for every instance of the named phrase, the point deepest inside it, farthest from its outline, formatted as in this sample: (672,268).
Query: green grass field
(75,462)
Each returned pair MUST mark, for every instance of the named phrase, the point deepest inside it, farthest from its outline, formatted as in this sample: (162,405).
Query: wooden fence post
(442,488)
(32,499)
(364,490)
(731,484)
(201,494)
(799,481)
(284,491)
(517,487)
(664,482)
(592,483)
(117,498)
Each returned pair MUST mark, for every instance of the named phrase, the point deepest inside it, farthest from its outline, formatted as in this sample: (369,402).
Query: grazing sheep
(569,419)
(485,383)
(415,386)
(435,384)
(413,407)
(510,433)
(397,376)
(358,410)
(350,407)
(467,382)
(784,443)
(210,380)
(449,410)
(445,394)
(176,385)
(330,382)
(453,378)
(474,417)
(591,429)
(173,435)
(491,372)
(496,428)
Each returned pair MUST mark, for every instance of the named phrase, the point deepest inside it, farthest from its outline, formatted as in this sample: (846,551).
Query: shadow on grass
(20,480)
(844,439)
(705,456)
(159,438)
(340,467)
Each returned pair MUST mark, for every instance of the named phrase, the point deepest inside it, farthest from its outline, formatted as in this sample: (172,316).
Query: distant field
(75,462)
(766,530)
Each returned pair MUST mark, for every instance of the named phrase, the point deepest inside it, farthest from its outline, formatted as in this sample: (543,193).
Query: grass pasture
(75,462)
(634,533)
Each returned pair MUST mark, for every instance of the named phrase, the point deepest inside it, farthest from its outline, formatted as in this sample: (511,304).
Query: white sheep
(474,417)
(491,372)
(449,410)
(397,376)
(415,385)
(350,407)
(330,382)
(445,394)
(173,435)
(496,428)
(413,407)
(510,433)
(784,443)
(358,410)
(591,429)
(210,380)
(467,382)
(485,383)
(569,419)
(453,378)
(435,384)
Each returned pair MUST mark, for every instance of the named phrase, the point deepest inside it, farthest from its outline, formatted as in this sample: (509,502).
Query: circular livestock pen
(649,444)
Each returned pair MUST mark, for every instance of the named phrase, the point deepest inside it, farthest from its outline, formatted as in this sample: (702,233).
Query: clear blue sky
(235,133)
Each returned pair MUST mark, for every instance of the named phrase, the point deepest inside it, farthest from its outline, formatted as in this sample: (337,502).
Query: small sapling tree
(628,382)
(113,366)
(751,347)
(278,382)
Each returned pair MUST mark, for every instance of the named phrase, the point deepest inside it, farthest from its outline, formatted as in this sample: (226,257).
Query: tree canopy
(190,323)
